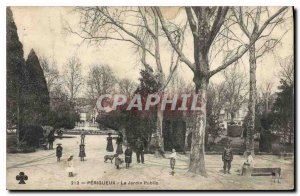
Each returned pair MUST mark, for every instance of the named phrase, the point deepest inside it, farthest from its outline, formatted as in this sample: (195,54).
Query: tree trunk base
(196,173)
(252,153)
(159,154)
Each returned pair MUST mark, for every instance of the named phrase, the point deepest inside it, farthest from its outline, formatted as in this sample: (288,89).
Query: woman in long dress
(82,152)
(128,156)
(119,145)
(70,166)
(109,147)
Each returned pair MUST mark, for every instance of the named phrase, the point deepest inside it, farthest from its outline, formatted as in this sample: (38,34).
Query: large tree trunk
(197,163)
(252,101)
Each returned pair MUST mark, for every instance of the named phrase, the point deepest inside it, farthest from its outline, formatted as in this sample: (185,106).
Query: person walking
(227,158)
(119,143)
(51,139)
(173,157)
(70,166)
(82,152)
(82,137)
(59,150)
(139,147)
(128,156)
(109,147)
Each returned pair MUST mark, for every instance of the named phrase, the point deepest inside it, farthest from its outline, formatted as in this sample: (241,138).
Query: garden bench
(267,171)
(43,144)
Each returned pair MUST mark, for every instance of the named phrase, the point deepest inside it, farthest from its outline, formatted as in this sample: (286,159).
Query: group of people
(82,154)
(227,157)
(139,149)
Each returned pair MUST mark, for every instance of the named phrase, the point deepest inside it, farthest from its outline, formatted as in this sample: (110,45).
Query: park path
(44,172)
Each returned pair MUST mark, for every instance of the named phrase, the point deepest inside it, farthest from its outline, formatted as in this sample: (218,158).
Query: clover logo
(21,178)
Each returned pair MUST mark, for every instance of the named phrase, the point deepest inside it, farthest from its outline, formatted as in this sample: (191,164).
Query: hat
(58,144)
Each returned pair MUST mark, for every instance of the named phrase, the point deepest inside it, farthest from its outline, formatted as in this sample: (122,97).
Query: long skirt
(82,154)
(70,169)
(109,147)
(128,159)
(119,149)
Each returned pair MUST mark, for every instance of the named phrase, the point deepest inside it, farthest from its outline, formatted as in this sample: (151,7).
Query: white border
(5,3)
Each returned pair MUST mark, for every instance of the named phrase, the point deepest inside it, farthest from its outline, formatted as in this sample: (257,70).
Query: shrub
(31,135)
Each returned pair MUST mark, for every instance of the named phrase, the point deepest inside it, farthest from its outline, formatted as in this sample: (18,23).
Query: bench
(287,156)
(274,172)
(43,144)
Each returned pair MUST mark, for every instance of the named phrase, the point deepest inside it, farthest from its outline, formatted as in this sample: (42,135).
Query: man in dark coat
(128,156)
(139,147)
(227,157)
(51,139)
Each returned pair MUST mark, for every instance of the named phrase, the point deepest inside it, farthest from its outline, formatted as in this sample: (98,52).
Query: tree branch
(173,44)
(253,40)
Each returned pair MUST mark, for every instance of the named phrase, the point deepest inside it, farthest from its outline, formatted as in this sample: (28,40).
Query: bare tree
(235,87)
(54,81)
(287,69)
(138,26)
(73,77)
(265,94)
(51,72)
(127,87)
(257,24)
(101,80)
(205,24)
(216,95)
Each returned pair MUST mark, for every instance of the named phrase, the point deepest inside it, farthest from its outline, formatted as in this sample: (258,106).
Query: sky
(43,29)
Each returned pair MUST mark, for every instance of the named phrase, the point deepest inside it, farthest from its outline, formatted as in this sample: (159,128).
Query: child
(128,156)
(70,166)
(173,160)
(118,161)
(247,165)
(227,158)
(59,150)
(82,152)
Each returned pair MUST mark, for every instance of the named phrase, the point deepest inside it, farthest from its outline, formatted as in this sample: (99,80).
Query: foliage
(283,111)
(36,95)
(15,65)
(149,83)
(136,123)
(31,135)
(63,116)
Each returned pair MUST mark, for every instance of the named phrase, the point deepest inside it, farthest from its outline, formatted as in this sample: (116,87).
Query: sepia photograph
(150,98)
